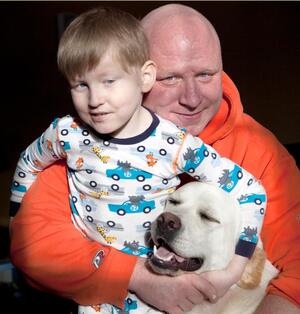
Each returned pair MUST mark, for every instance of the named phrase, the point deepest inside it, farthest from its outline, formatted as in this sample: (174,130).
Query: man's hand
(174,295)
(222,280)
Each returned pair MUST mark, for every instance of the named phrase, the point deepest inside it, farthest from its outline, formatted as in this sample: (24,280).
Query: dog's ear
(253,272)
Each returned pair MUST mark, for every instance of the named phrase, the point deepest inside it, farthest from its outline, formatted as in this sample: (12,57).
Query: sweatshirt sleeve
(44,151)
(55,257)
(202,162)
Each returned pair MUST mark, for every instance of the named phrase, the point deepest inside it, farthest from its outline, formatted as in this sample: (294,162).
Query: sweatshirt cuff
(116,270)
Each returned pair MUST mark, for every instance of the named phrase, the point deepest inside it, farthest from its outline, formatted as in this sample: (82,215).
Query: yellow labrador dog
(198,231)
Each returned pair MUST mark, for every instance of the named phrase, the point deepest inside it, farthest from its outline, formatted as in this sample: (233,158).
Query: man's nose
(191,93)
(168,224)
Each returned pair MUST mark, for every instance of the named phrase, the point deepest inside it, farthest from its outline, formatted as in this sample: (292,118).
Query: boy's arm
(204,163)
(42,152)
(55,257)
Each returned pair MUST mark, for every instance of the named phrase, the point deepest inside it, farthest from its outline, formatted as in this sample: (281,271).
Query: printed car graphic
(135,204)
(174,138)
(194,158)
(252,198)
(249,234)
(129,304)
(16,186)
(73,200)
(229,179)
(134,248)
(130,173)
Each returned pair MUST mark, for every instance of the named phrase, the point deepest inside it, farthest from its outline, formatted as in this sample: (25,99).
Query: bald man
(192,91)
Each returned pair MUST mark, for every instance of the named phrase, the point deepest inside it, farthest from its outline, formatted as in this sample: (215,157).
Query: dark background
(260,47)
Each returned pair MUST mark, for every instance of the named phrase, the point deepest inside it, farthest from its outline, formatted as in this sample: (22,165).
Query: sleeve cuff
(245,248)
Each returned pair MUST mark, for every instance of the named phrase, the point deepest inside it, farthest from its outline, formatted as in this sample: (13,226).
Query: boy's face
(107,98)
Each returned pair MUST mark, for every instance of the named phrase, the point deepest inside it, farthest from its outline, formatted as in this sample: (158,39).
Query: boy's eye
(78,86)
(109,81)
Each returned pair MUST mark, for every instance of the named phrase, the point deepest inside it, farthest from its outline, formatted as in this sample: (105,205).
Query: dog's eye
(204,216)
(173,201)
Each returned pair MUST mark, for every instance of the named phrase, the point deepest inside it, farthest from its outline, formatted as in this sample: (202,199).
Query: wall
(261,49)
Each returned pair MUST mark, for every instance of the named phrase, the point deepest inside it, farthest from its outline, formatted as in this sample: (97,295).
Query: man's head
(186,49)
(88,38)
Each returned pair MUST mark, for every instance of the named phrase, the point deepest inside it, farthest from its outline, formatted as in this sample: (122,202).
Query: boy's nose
(96,98)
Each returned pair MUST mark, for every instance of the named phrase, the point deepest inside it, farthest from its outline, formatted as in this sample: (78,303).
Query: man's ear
(148,73)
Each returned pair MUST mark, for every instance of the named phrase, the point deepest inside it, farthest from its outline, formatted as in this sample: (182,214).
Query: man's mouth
(165,258)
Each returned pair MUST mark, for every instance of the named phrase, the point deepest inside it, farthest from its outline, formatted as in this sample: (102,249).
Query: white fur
(215,242)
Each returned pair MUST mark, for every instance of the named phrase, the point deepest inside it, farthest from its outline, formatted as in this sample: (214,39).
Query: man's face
(188,88)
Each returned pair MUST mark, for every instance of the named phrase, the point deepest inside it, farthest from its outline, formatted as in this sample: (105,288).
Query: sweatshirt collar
(230,112)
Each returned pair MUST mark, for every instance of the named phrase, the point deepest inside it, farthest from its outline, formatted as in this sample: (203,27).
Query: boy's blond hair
(92,33)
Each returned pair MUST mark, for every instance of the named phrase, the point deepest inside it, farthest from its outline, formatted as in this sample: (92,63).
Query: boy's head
(93,33)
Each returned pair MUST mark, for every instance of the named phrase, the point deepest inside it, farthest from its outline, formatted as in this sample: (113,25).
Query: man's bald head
(175,21)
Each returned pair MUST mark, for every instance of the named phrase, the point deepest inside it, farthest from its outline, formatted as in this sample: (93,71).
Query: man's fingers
(207,289)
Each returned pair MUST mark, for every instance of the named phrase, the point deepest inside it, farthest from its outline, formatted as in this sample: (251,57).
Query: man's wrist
(137,275)
(236,267)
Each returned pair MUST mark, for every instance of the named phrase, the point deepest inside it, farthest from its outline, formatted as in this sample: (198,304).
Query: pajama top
(119,186)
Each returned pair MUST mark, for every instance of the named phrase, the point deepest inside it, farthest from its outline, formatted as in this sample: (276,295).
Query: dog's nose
(167,223)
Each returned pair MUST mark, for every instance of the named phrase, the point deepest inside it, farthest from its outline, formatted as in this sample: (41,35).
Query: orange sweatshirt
(56,257)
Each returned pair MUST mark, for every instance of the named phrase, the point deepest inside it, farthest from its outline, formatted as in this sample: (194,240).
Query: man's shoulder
(55,174)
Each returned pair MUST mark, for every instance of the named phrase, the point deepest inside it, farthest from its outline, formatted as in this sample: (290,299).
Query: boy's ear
(148,73)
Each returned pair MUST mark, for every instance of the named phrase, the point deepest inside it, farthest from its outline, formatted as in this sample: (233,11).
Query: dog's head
(198,230)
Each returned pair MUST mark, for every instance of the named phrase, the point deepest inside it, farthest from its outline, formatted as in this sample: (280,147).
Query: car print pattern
(119,186)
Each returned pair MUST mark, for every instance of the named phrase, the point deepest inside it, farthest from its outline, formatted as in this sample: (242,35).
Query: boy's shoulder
(67,121)
(168,125)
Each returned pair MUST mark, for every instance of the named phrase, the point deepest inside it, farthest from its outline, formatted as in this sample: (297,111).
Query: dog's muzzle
(164,257)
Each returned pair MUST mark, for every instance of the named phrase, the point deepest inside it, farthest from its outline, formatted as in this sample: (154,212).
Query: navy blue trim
(245,248)
(132,140)
(13,208)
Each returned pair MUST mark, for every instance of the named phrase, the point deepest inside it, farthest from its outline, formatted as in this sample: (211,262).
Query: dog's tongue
(164,254)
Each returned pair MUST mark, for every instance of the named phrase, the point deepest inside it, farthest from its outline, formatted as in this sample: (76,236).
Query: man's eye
(169,80)
(204,76)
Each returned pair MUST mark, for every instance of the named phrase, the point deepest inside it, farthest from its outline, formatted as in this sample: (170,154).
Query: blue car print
(249,234)
(129,304)
(132,207)
(230,179)
(194,158)
(128,173)
(258,199)
(16,186)
(133,248)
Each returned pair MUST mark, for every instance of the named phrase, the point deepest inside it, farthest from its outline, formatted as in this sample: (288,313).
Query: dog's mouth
(166,259)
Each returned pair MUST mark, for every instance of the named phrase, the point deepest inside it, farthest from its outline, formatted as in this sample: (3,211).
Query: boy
(123,160)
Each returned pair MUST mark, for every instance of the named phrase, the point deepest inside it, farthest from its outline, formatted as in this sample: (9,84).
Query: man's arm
(55,256)
(273,304)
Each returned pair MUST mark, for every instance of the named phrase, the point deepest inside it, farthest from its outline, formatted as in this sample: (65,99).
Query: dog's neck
(218,260)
